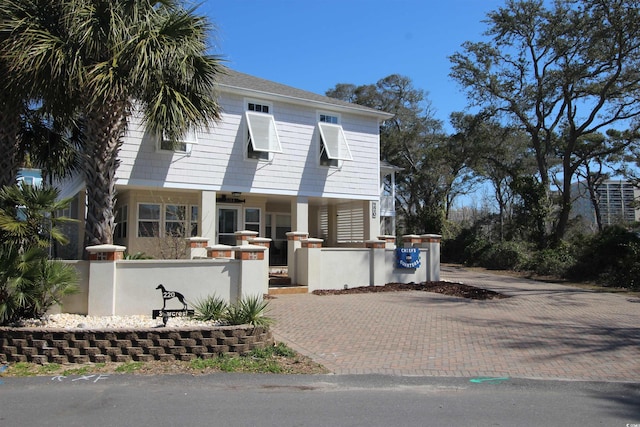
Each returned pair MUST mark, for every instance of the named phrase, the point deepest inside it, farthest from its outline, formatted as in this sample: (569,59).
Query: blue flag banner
(407,258)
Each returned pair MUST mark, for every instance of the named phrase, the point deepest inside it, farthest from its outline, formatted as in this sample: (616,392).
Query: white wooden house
(281,159)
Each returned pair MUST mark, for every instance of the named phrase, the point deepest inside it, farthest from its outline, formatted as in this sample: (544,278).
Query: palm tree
(111,59)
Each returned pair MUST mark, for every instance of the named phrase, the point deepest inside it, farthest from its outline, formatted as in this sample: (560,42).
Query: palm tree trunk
(104,130)
(9,130)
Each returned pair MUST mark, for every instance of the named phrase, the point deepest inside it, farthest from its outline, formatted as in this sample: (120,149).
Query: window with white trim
(333,143)
(149,220)
(252,219)
(262,134)
(175,220)
(167,220)
(184,145)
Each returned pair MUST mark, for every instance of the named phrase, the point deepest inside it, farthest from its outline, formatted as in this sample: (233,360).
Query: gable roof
(232,80)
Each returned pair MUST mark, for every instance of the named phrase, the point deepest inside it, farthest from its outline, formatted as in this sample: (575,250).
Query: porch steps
(280,284)
(288,290)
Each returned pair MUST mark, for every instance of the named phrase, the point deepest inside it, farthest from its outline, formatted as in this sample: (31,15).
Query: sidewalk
(544,331)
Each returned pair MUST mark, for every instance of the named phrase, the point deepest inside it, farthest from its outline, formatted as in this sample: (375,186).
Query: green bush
(210,308)
(552,261)
(504,256)
(30,284)
(612,258)
(248,311)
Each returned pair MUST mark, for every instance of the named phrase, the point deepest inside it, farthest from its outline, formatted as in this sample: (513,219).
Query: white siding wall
(217,162)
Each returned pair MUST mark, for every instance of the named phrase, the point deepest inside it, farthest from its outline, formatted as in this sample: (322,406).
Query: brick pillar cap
(105,248)
(410,236)
(219,248)
(386,237)
(375,241)
(249,248)
(432,236)
(246,233)
(314,240)
(197,239)
(297,233)
(261,240)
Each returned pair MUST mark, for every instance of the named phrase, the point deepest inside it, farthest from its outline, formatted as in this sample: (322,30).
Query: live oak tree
(412,140)
(105,60)
(560,73)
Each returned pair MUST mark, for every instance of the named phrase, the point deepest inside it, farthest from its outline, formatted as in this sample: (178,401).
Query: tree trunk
(9,129)
(104,130)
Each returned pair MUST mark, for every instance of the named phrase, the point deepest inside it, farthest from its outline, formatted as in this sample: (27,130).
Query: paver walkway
(545,331)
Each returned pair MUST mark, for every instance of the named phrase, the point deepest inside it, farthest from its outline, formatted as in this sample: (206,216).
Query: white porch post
(371,219)
(300,214)
(208,216)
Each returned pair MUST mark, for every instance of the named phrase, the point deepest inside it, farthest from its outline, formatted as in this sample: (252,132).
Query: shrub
(611,257)
(248,311)
(209,308)
(30,284)
(504,256)
(552,261)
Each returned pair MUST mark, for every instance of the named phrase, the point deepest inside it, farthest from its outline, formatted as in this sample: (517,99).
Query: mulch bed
(446,288)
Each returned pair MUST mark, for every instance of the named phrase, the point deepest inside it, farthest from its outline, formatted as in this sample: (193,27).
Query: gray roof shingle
(234,79)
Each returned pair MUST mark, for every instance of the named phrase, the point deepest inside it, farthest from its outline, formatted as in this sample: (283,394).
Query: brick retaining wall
(39,345)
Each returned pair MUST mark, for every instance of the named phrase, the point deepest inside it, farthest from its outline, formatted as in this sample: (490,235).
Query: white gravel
(76,321)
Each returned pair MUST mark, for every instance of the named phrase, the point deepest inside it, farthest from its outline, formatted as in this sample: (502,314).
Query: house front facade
(280,160)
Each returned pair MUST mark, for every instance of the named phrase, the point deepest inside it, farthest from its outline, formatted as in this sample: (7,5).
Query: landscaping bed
(441,287)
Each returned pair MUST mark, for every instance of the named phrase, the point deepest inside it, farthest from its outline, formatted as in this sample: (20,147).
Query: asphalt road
(324,400)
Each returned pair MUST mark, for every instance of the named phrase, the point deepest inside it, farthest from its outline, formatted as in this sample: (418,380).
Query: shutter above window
(263,133)
(335,143)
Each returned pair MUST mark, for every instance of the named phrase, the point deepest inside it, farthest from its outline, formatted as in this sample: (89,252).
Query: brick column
(432,243)
(102,278)
(411,240)
(243,236)
(265,242)
(309,263)
(294,242)
(220,251)
(197,247)
(377,267)
(390,241)
(254,277)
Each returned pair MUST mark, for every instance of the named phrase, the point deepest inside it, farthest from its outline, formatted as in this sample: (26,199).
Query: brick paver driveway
(543,331)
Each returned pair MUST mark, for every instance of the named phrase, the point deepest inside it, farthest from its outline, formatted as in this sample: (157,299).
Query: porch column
(300,214)
(377,267)
(254,279)
(294,242)
(102,279)
(371,219)
(197,247)
(208,215)
(432,243)
(266,243)
(310,270)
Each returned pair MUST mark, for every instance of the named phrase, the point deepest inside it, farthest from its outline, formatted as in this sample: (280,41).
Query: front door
(228,223)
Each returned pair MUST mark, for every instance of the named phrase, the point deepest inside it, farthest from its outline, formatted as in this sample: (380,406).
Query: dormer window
(333,143)
(262,135)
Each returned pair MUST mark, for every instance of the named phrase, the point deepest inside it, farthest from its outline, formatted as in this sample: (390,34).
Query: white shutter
(263,133)
(335,143)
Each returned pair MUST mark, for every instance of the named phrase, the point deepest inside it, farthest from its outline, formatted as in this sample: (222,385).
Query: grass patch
(277,359)
(129,367)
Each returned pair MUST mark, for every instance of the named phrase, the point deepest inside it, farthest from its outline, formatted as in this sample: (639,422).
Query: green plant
(129,367)
(30,283)
(209,308)
(250,310)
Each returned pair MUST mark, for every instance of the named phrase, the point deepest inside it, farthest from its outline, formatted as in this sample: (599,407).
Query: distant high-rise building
(618,201)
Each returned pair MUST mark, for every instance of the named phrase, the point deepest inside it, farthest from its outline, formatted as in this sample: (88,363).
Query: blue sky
(313,45)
